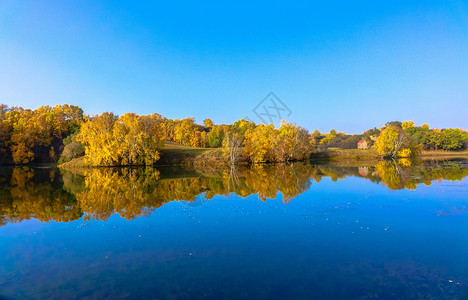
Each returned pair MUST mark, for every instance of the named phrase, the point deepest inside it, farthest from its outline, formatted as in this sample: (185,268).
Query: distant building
(363,171)
(362,144)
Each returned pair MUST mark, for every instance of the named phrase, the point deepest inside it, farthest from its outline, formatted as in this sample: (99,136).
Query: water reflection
(35,193)
(50,194)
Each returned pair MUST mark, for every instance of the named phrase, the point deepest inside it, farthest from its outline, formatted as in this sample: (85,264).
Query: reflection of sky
(352,233)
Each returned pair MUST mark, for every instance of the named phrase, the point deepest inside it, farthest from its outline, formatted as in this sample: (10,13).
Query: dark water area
(286,231)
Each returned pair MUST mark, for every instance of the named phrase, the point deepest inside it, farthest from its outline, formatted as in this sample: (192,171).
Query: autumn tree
(316,136)
(151,138)
(293,143)
(208,123)
(395,142)
(330,136)
(127,140)
(98,137)
(407,124)
(259,143)
(184,130)
(5,134)
(232,145)
(138,139)
(38,134)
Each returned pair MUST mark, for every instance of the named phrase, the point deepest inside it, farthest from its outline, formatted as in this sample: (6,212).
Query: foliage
(44,134)
(407,124)
(445,139)
(332,137)
(36,135)
(267,144)
(216,135)
(293,143)
(395,142)
(127,140)
(372,132)
(453,139)
(208,123)
(259,143)
(72,149)
(97,135)
(393,123)
(241,126)
(232,145)
(350,142)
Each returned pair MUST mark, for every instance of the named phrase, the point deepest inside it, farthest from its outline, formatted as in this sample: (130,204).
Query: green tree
(453,139)
(241,126)
(216,136)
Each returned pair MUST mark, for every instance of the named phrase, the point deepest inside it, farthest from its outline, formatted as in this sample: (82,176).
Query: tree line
(64,132)
(398,139)
(28,136)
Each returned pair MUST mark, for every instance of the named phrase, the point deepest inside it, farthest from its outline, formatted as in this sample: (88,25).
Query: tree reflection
(37,194)
(402,174)
(137,192)
(96,194)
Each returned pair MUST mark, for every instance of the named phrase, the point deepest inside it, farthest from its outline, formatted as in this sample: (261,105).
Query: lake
(285,231)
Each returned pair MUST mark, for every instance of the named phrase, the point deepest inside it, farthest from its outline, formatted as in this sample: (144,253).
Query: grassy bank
(174,154)
(441,154)
(177,154)
(358,157)
(348,157)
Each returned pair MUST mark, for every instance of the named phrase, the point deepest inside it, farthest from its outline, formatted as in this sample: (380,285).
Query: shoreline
(214,157)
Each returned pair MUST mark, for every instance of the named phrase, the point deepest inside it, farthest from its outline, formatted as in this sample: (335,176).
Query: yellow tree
(151,138)
(5,133)
(259,143)
(39,133)
(329,137)
(395,142)
(407,124)
(97,137)
(129,140)
(26,134)
(184,130)
(208,123)
(126,135)
(293,143)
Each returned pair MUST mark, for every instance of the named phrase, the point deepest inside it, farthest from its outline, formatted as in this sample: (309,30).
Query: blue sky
(348,65)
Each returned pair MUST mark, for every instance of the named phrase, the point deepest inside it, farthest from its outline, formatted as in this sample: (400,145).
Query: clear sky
(348,65)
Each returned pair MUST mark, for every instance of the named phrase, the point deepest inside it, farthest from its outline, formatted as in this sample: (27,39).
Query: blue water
(349,239)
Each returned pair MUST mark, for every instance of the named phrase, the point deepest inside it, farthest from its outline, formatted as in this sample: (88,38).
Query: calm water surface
(299,231)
